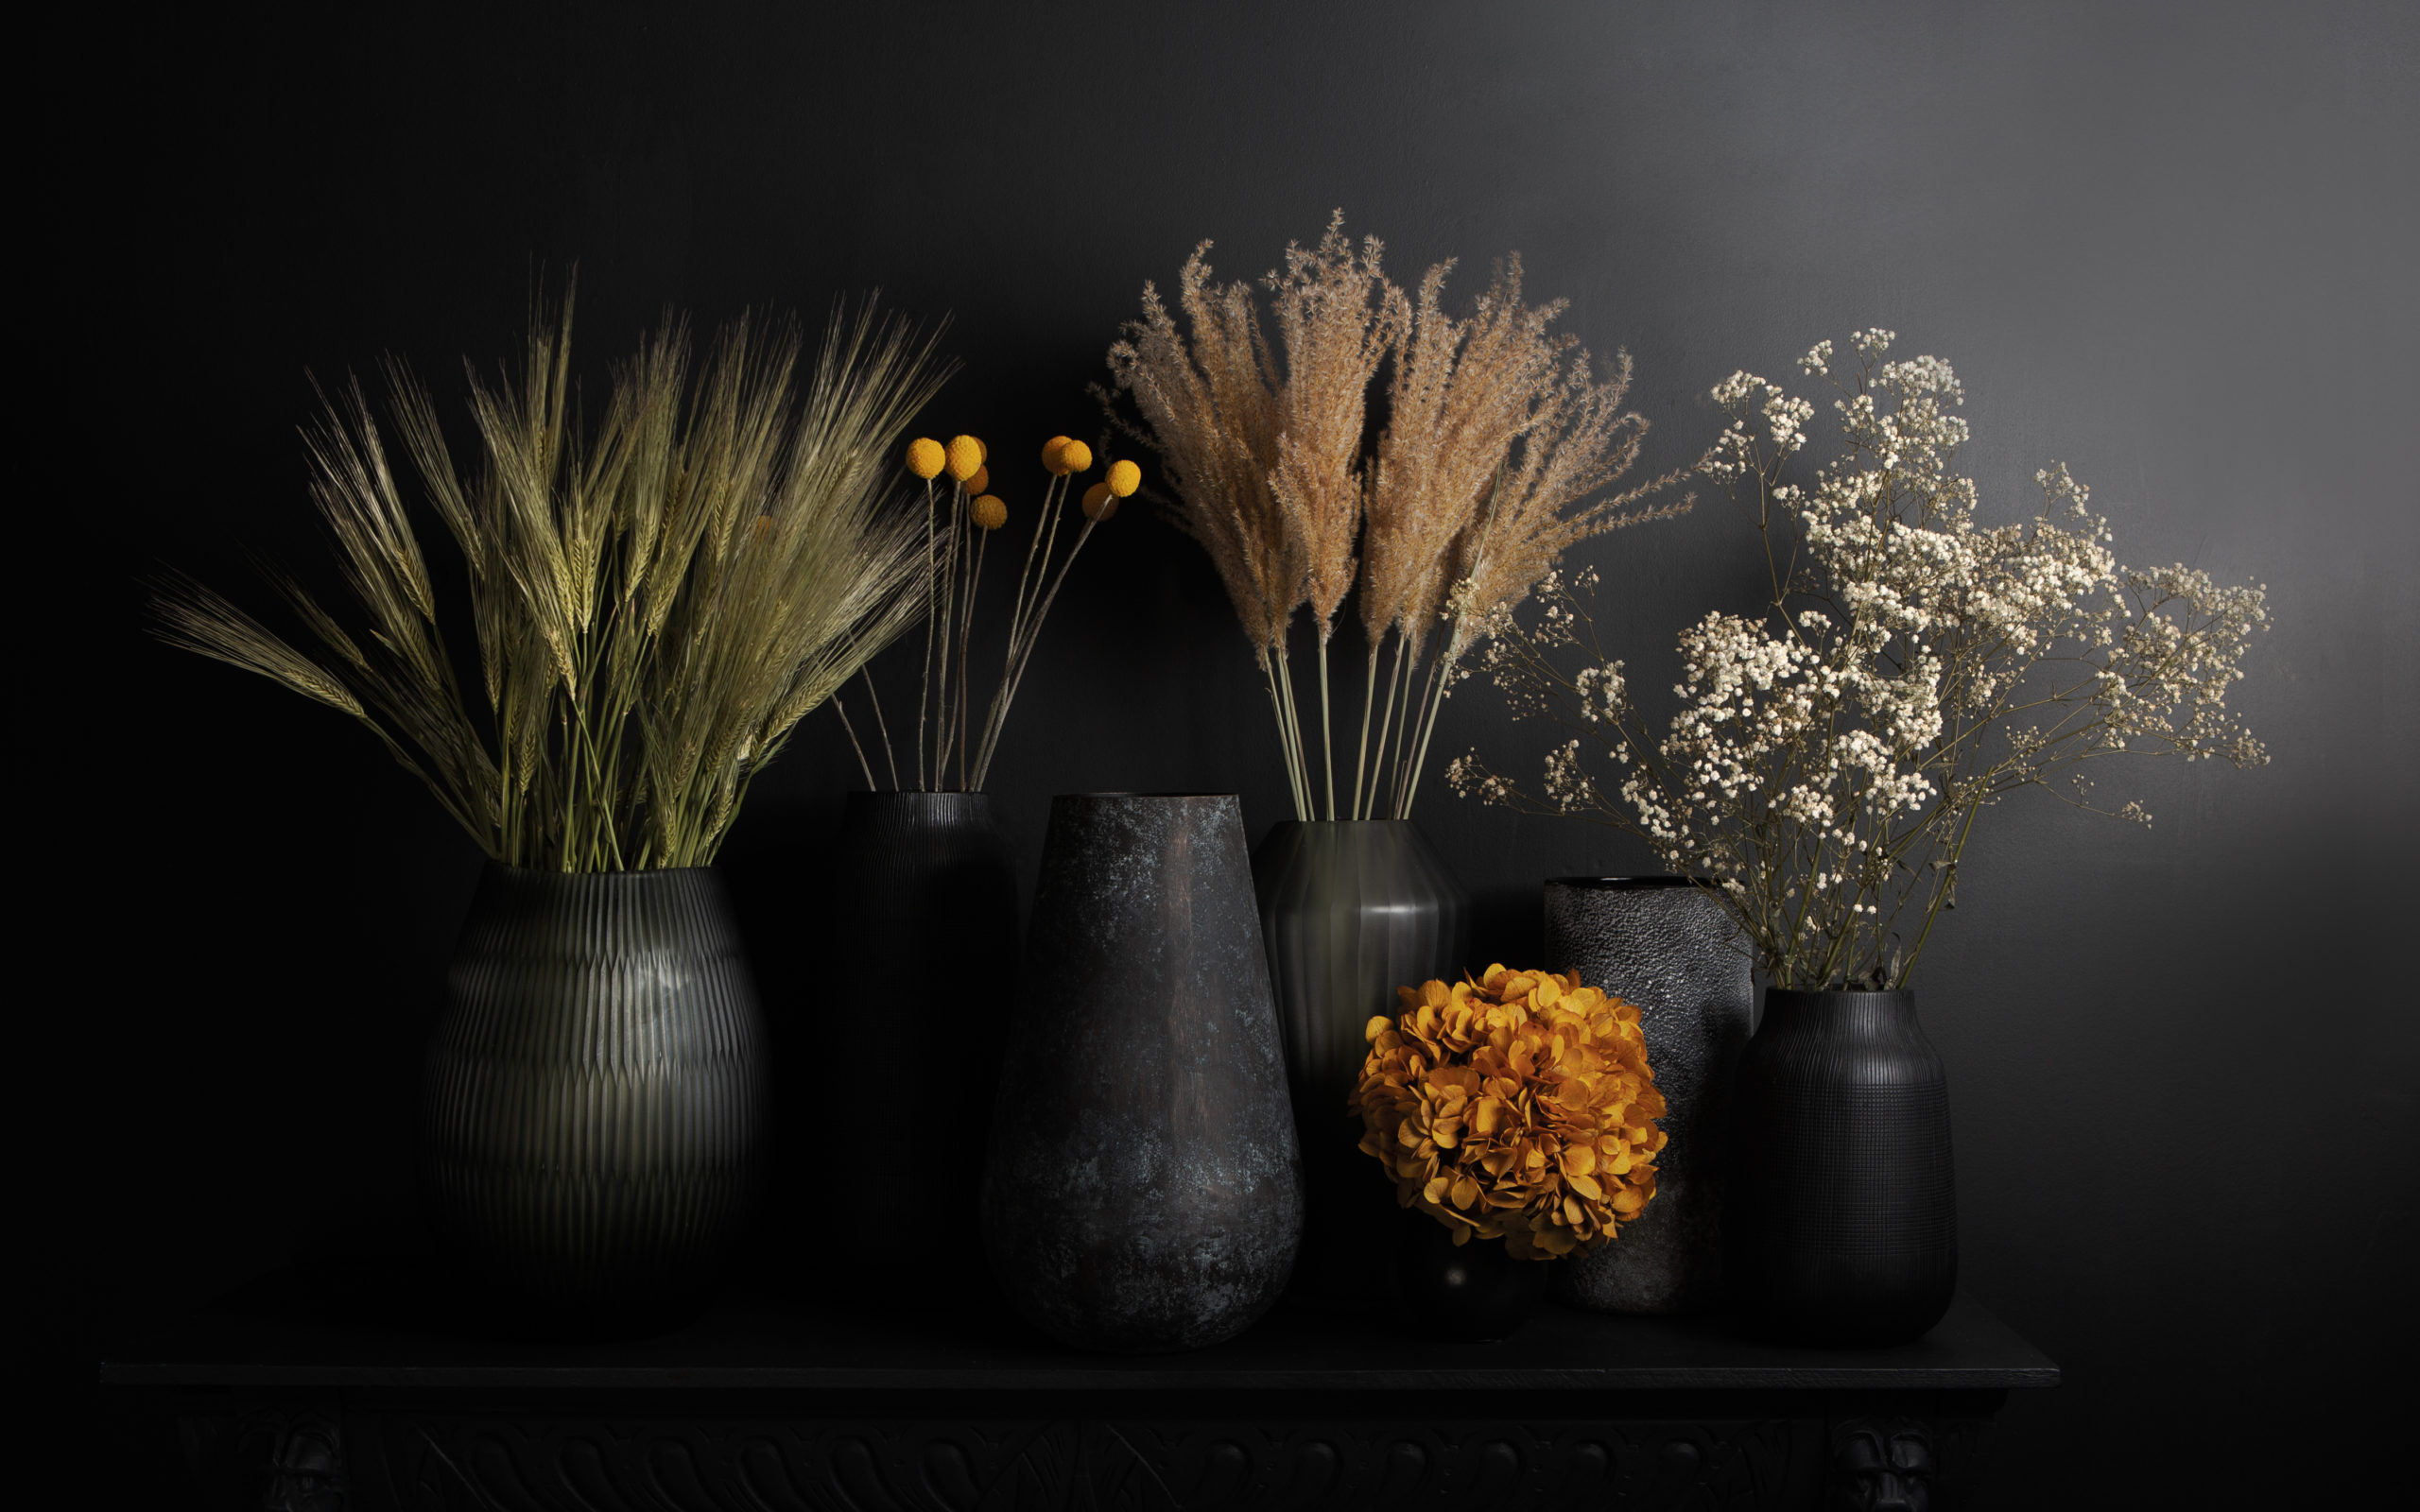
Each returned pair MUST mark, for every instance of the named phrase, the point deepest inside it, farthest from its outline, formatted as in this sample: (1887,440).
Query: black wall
(2172,245)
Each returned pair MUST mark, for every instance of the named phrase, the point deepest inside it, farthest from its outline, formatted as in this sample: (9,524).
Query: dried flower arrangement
(1828,761)
(958,521)
(1498,433)
(1516,1106)
(655,606)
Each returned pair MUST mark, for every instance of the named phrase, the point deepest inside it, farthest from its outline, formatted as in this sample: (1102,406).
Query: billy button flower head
(926,457)
(1101,502)
(965,457)
(982,482)
(1062,456)
(989,512)
(1518,1105)
(1124,478)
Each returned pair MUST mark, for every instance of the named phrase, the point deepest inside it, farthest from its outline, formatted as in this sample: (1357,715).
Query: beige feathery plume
(1338,317)
(1579,440)
(1466,392)
(1209,407)
(1496,436)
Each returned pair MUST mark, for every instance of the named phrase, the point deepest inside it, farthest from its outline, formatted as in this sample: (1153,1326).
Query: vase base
(523,1320)
(1471,1293)
(1877,1330)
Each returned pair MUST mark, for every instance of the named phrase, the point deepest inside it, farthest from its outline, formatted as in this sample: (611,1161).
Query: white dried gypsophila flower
(1826,759)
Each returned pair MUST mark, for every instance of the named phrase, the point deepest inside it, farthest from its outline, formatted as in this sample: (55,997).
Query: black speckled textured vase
(1144,1189)
(1844,1220)
(928,891)
(594,1096)
(1350,910)
(1666,944)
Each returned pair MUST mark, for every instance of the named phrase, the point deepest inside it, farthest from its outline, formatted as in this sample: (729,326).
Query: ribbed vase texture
(1666,944)
(930,894)
(1144,1189)
(596,1088)
(1845,1218)
(1351,909)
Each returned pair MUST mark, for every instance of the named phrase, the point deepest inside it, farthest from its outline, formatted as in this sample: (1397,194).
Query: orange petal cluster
(1516,1106)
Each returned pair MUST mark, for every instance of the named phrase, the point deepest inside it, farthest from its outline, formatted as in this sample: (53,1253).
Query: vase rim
(508,869)
(917,792)
(1340,823)
(1176,797)
(1858,994)
(1644,882)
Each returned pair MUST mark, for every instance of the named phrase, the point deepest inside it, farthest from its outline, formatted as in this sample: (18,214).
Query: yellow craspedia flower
(989,512)
(982,453)
(926,457)
(1099,503)
(1124,478)
(980,481)
(1051,455)
(1075,456)
(1516,1106)
(965,456)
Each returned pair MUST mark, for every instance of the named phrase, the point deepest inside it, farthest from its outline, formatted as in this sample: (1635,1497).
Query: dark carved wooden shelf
(345,1390)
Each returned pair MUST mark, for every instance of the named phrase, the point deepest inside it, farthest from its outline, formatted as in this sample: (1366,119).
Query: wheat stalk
(655,606)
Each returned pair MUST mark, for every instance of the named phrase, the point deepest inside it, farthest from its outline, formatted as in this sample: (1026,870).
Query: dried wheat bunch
(654,606)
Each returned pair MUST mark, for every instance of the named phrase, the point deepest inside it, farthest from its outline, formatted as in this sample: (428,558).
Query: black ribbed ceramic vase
(594,1096)
(1844,1221)
(1352,909)
(1666,944)
(1144,1189)
(926,891)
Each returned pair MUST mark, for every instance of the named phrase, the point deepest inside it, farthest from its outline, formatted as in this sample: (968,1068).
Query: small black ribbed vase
(594,1096)
(1352,909)
(1844,1216)
(1144,1190)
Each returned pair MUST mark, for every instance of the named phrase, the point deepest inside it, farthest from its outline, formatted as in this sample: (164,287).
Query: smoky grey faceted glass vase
(1665,944)
(1352,909)
(594,1097)
(1143,1191)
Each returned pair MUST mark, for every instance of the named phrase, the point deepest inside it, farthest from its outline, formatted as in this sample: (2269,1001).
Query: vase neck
(1789,1010)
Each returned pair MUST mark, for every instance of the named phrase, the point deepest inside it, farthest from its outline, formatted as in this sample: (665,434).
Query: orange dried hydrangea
(1518,1105)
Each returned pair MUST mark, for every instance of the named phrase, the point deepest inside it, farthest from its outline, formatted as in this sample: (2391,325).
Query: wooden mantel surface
(368,1327)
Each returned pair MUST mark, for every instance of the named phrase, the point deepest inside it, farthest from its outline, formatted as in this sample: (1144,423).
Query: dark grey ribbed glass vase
(594,1096)
(1142,1192)
(1666,944)
(1352,909)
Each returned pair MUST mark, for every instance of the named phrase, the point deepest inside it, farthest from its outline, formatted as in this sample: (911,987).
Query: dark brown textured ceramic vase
(594,1096)
(1843,1228)
(1144,1189)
